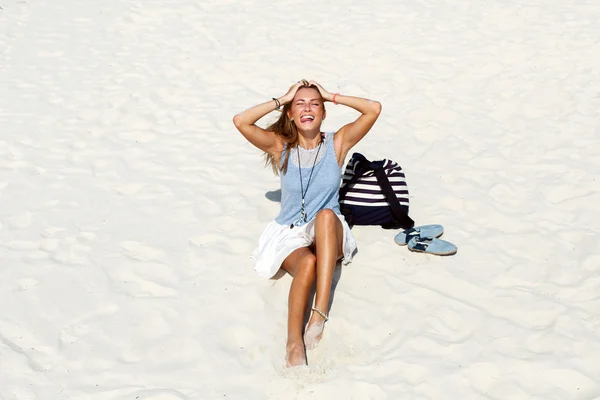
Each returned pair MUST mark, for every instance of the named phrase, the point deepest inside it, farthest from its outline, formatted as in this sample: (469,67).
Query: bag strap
(362,165)
(401,216)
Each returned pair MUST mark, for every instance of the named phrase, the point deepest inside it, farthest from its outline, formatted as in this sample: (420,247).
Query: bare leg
(329,234)
(301,265)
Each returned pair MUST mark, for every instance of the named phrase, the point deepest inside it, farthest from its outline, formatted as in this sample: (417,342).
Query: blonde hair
(286,129)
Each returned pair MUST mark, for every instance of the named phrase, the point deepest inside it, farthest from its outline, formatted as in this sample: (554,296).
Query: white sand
(129,204)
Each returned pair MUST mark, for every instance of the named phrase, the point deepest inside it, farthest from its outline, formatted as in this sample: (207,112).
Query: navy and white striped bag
(374,193)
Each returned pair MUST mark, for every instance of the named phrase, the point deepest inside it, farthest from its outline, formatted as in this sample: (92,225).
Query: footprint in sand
(147,276)
(142,252)
(67,250)
(447,327)
(136,285)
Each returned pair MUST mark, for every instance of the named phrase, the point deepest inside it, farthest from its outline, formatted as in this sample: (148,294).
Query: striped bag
(374,193)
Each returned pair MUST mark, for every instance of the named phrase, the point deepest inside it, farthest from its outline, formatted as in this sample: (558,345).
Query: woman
(309,235)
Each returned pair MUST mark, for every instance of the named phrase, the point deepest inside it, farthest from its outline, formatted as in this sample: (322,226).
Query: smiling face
(307,109)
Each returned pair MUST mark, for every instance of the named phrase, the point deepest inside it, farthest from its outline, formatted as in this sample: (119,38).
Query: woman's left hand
(324,93)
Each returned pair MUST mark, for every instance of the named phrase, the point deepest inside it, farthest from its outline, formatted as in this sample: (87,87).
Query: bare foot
(295,355)
(314,331)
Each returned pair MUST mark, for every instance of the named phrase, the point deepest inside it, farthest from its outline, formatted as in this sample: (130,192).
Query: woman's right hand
(289,96)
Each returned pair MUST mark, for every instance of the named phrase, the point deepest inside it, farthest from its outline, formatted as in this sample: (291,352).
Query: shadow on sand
(274,195)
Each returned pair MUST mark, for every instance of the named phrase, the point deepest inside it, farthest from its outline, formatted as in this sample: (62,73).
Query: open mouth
(307,118)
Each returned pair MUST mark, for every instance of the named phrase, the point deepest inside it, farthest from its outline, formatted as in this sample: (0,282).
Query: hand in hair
(324,93)
(289,96)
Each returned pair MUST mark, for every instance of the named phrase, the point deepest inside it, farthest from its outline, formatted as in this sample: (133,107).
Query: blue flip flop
(434,246)
(424,231)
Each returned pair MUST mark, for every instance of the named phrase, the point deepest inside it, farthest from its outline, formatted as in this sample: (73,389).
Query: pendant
(301,219)
(296,222)
(303,212)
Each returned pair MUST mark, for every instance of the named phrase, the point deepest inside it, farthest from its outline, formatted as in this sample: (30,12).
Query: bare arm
(245,122)
(353,132)
(350,134)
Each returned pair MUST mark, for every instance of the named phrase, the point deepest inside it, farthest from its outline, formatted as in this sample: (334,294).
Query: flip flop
(435,246)
(424,231)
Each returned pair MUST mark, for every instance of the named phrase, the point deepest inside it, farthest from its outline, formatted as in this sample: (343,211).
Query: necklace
(302,191)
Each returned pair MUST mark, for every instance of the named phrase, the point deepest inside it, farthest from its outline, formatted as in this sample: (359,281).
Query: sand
(129,203)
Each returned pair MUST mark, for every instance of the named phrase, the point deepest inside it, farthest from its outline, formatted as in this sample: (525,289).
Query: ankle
(295,342)
(318,316)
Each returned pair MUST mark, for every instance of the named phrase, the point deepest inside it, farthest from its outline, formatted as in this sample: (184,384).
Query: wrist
(279,102)
(334,98)
(328,96)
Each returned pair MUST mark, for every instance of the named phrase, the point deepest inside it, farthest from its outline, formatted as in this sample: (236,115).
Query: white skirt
(279,241)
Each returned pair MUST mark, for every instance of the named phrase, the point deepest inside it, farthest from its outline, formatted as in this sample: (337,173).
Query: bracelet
(321,313)
(277,104)
(333,99)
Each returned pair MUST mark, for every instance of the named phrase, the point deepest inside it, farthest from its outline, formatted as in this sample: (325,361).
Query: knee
(326,216)
(307,270)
